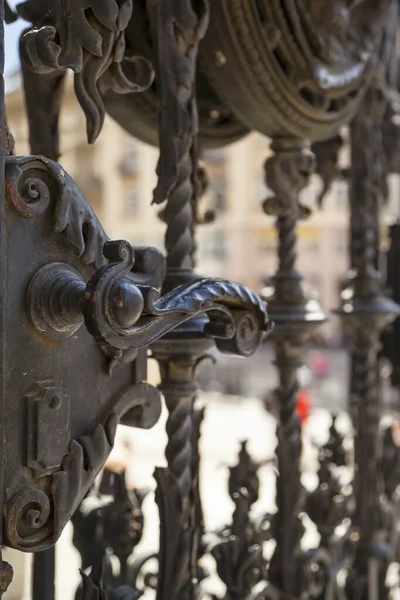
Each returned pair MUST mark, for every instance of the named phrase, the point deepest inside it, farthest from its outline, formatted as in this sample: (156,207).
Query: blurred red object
(303,407)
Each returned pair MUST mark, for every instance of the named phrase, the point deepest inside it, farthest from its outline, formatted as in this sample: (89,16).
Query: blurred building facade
(117,175)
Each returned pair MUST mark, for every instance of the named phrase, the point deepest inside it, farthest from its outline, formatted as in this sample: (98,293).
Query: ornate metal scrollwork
(124,316)
(326,163)
(365,312)
(235,331)
(238,553)
(295,315)
(110,519)
(123,310)
(114,299)
(80,304)
(36,517)
(76,275)
(37,514)
(35,185)
(330,506)
(308,63)
(89,38)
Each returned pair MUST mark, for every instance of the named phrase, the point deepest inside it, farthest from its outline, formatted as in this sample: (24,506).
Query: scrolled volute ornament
(35,185)
(36,514)
(88,37)
(122,316)
(35,517)
(120,303)
(29,520)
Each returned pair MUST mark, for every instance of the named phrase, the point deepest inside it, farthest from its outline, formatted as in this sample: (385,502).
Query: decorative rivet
(55,402)
(220,58)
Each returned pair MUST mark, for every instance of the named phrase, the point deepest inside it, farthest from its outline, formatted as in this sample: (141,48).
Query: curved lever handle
(124,315)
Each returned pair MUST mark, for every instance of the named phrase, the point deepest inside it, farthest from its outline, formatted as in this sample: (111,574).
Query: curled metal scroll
(37,513)
(34,183)
(88,37)
(236,314)
(37,186)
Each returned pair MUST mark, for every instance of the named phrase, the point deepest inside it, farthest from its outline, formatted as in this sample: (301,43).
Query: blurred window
(131,201)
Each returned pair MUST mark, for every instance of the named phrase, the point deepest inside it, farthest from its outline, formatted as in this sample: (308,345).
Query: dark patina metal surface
(185,74)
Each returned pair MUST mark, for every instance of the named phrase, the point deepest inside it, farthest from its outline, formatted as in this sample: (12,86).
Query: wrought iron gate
(80,313)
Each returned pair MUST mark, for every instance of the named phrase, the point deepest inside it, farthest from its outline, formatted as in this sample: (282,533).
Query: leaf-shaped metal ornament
(88,36)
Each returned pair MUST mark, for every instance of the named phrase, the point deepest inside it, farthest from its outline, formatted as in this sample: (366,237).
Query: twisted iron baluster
(177,28)
(287,246)
(288,528)
(366,313)
(198,546)
(179,241)
(179,430)
(287,173)
(180,391)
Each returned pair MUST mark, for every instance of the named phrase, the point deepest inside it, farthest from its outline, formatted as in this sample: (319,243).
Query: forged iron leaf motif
(245,476)
(88,36)
(239,567)
(91,587)
(239,556)
(328,506)
(326,163)
(77,33)
(122,520)
(109,520)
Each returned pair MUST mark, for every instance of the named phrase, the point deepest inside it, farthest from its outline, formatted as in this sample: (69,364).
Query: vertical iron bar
(365,313)
(295,316)
(43,578)
(177,28)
